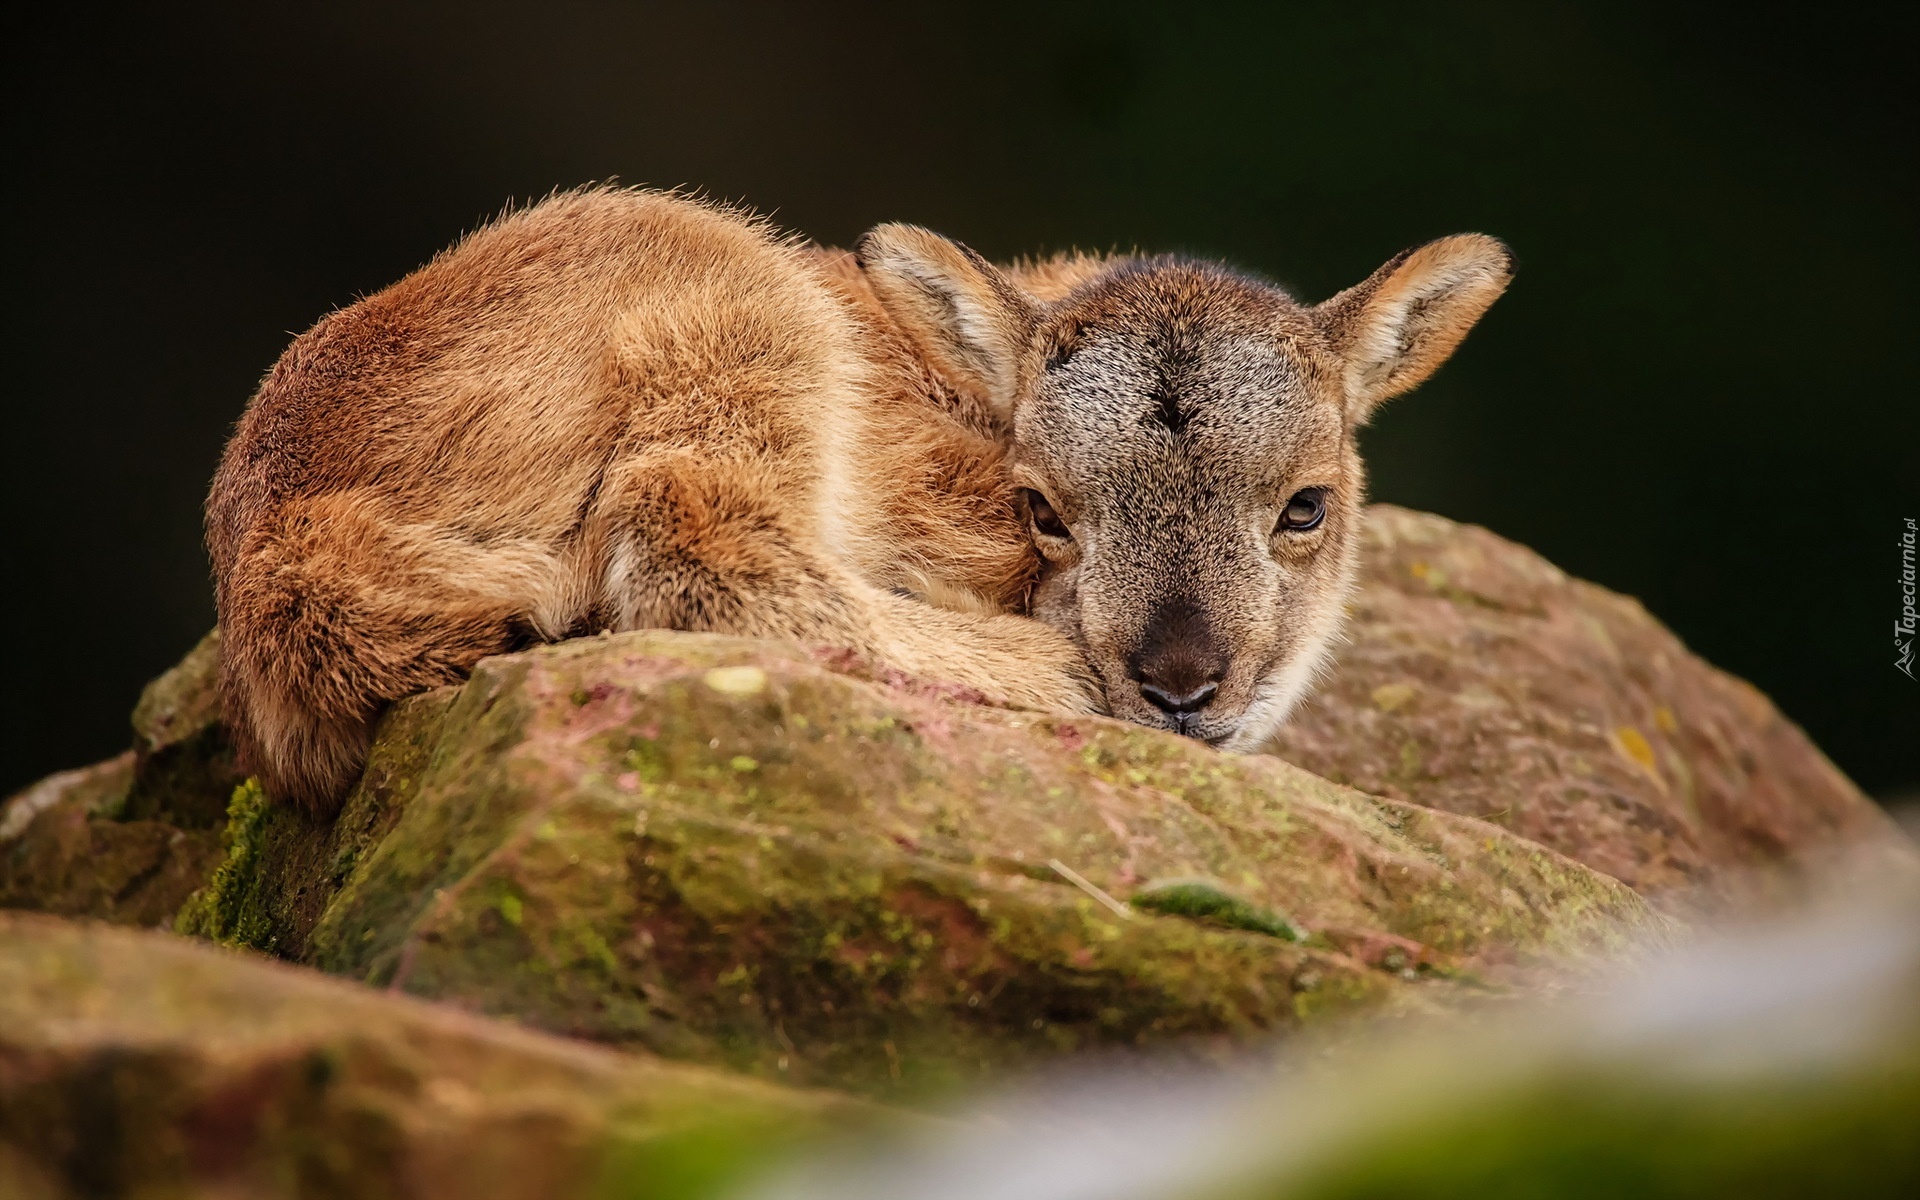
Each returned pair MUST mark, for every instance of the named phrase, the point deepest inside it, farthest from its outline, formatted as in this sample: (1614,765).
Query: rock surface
(753,857)
(1778,1060)
(750,855)
(1481,679)
(129,839)
(140,1064)
(739,853)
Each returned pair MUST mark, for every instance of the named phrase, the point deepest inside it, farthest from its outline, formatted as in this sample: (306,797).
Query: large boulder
(748,854)
(140,1064)
(1481,679)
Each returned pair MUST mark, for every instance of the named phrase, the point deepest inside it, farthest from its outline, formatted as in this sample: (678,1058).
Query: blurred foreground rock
(1774,1061)
(140,1064)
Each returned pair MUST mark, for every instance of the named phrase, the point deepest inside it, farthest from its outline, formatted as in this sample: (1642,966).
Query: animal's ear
(1397,327)
(963,312)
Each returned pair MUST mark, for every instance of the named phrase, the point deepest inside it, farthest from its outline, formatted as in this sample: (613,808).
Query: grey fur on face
(1185,440)
(1194,405)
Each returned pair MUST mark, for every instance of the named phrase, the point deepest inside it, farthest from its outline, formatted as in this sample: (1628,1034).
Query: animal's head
(1184,442)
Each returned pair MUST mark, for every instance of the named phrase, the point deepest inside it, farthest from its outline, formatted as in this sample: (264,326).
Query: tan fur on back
(613,410)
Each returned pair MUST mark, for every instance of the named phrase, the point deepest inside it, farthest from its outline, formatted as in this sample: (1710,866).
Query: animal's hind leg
(331,612)
(691,544)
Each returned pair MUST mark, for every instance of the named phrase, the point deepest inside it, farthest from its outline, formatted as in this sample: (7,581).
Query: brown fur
(616,409)
(621,409)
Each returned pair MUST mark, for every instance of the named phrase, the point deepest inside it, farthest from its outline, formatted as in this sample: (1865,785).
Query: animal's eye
(1045,519)
(1305,511)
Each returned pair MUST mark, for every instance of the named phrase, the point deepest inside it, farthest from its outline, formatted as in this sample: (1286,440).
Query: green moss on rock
(737,852)
(867,903)
(198,1072)
(1205,900)
(228,909)
(281,870)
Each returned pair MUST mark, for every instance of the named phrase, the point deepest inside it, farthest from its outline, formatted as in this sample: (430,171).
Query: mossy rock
(141,1064)
(128,840)
(740,853)
(280,869)
(67,847)
(183,759)
(1781,1060)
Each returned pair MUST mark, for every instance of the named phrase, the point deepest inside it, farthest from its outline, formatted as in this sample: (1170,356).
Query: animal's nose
(1180,663)
(1179,704)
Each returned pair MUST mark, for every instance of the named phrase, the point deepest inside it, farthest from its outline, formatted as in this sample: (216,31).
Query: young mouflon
(1183,445)
(621,409)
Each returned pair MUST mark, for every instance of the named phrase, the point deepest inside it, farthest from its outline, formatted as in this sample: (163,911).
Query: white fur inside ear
(1396,328)
(975,336)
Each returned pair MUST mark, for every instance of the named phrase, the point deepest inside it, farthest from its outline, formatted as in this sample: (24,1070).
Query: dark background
(1700,391)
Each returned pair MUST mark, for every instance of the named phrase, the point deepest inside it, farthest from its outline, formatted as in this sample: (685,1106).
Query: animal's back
(481,387)
(418,481)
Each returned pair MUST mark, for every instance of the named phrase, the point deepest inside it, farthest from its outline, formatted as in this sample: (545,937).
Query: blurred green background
(1701,390)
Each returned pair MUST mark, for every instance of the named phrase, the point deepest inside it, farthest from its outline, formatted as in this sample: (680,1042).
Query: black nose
(1185,702)
(1180,662)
